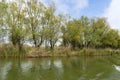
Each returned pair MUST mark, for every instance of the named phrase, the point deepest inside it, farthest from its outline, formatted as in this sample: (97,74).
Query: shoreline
(67,53)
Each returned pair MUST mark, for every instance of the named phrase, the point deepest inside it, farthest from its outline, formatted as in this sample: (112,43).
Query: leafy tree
(86,30)
(111,39)
(15,22)
(31,21)
(3,7)
(99,29)
(35,14)
(72,33)
(52,28)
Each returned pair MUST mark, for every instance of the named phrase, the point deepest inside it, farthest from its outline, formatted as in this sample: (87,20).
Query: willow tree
(35,13)
(111,39)
(99,27)
(86,31)
(15,23)
(73,33)
(52,27)
(3,7)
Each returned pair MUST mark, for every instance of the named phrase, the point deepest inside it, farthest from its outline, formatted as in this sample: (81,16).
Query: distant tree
(98,30)
(3,8)
(52,28)
(86,31)
(15,23)
(35,21)
(72,33)
(111,39)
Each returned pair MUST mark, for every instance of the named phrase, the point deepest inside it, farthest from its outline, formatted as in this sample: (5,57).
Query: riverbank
(29,52)
(71,53)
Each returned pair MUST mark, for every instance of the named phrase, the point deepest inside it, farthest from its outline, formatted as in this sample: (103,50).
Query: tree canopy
(30,21)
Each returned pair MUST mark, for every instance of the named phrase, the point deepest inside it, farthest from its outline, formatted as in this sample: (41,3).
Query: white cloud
(61,6)
(113,14)
(79,4)
(69,6)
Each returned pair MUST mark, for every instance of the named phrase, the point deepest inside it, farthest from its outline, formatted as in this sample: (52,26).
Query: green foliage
(99,29)
(3,7)
(111,39)
(86,32)
(33,22)
(15,23)
(72,33)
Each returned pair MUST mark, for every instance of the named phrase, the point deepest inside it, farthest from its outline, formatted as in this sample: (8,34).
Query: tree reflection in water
(76,68)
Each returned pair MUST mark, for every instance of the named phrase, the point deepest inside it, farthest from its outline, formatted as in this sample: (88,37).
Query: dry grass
(8,50)
(98,52)
(38,52)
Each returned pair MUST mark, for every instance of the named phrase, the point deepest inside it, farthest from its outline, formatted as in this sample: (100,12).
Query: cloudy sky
(91,8)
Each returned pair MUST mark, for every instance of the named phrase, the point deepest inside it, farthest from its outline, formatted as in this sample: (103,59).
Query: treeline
(31,22)
(90,33)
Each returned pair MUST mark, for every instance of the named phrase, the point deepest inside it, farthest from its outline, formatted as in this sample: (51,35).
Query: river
(74,68)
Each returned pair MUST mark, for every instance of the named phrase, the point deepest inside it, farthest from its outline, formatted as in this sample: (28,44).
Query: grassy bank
(68,52)
(8,50)
(31,52)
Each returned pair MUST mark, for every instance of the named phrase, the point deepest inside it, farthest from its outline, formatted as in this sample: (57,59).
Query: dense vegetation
(24,22)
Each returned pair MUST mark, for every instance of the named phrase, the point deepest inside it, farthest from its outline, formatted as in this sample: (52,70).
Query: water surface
(76,68)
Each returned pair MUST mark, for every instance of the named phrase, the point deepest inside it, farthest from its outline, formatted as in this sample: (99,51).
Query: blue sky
(90,8)
(95,8)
